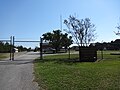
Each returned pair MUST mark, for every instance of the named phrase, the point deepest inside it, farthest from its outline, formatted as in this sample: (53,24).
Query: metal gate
(13,40)
(10,41)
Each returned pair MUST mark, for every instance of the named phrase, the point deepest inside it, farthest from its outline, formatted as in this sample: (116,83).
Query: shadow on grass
(71,61)
(59,61)
(74,58)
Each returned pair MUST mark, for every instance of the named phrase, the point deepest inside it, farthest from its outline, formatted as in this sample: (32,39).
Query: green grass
(107,56)
(4,55)
(56,73)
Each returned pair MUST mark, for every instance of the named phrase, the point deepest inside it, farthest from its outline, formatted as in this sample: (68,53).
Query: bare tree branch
(81,30)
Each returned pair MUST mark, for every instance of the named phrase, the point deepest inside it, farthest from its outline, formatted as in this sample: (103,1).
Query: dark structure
(88,54)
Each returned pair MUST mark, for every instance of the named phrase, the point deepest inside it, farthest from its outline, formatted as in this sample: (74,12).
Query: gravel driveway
(18,74)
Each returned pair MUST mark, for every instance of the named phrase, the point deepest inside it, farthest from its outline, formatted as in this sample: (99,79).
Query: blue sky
(29,19)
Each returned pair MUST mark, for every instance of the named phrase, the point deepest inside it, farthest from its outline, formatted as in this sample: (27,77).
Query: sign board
(88,54)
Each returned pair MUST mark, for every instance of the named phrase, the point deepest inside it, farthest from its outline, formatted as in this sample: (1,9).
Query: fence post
(69,52)
(80,58)
(102,54)
(10,47)
(41,54)
(13,51)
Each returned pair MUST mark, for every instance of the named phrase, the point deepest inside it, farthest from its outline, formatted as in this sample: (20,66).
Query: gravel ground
(18,74)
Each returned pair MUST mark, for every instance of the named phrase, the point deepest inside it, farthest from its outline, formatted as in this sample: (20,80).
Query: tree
(21,48)
(36,49)
(82,30)
(66,41)
(57,39)
(1,46)
(118,27)
(4,47)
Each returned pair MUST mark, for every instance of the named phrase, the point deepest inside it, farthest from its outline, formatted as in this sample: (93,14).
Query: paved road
(18,74)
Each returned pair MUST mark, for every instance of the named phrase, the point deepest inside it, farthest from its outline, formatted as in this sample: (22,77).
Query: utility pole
(69,52)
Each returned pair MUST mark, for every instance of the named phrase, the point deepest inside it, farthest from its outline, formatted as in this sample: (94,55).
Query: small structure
(88,54)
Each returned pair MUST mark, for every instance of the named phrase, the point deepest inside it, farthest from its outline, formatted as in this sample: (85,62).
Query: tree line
(113,45)
(5,47)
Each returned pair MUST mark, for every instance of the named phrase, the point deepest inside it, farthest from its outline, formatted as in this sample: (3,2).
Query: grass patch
(3,55)
(107,55)
(56,73)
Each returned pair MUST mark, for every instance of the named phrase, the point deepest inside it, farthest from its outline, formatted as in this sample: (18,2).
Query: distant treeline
(6,47)
(113,45)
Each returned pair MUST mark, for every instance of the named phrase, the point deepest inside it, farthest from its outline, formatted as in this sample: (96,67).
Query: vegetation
(21,48)
(81,30)
(4,47)
(118,27)
(4,55)
(57,39)
(113,45)
(58,73)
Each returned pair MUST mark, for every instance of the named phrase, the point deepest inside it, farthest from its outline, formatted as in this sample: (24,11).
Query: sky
(29,19)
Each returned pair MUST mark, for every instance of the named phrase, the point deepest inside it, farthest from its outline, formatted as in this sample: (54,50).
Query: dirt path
(18,74)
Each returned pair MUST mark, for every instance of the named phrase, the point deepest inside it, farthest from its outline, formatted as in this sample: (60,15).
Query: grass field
(56,73)
(4,55)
